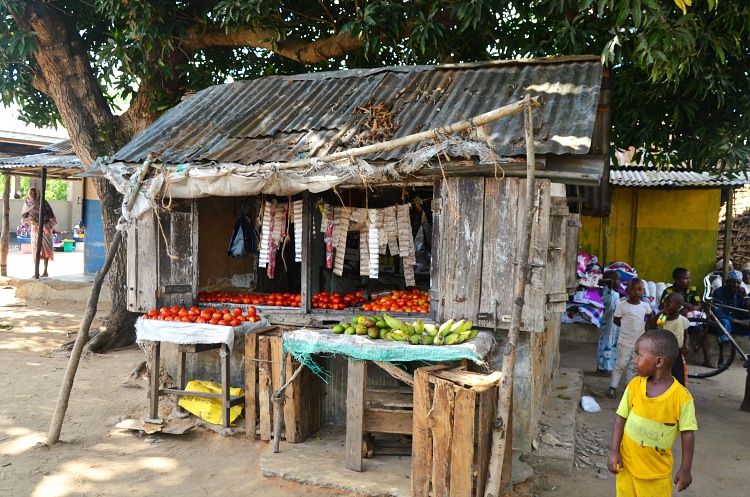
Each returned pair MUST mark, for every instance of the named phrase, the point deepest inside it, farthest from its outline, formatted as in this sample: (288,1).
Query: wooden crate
(452,432)
(302,409)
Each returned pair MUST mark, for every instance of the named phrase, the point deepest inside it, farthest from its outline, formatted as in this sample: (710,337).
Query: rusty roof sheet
(283,118)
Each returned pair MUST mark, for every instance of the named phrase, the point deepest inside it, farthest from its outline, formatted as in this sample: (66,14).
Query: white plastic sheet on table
(191,333)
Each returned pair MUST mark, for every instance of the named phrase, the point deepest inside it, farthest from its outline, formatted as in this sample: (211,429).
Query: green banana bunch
(407,328)
(419,327)
(451,332)
(431,329)
(392,323)
(445,327)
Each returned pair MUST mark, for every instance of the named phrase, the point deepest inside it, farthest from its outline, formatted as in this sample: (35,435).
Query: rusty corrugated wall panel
(282,118)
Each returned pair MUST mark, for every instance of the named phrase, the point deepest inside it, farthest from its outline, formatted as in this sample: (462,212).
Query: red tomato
(252,311)
(237,311)
(235,322)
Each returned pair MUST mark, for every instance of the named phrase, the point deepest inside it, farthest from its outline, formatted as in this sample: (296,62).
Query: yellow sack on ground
(209,409)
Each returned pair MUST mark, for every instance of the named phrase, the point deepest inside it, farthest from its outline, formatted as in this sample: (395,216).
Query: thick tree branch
(69,80)
(305,52)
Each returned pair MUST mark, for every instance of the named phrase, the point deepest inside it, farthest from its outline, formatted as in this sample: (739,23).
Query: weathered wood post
(88,316)
(501,426)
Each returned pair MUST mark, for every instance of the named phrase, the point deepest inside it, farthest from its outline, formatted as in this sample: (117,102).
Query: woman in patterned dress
(30,215)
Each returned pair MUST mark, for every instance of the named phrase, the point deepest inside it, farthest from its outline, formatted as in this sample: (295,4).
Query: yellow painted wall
(657,230)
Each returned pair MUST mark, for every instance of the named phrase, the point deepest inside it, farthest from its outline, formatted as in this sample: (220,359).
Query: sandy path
(94,458)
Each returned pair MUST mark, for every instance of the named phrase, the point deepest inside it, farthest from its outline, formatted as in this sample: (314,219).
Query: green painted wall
(658,230)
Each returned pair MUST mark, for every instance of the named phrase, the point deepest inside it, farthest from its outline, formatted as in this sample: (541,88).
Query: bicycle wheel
(697,369)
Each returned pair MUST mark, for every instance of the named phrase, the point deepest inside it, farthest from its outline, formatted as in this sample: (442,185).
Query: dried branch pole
(500,434)
(88,316)
(474,122)
(4,235)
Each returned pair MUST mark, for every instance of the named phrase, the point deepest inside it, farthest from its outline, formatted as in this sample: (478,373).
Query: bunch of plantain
(386,327)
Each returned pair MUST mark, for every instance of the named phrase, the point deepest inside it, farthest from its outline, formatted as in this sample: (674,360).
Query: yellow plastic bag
(209,409)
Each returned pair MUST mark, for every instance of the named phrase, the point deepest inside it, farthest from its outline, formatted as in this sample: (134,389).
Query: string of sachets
(382,231)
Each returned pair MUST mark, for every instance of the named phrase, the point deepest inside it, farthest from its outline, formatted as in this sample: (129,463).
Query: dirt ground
(96,459)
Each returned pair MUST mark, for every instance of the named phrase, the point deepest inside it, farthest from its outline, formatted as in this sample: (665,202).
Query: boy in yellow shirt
(653,409)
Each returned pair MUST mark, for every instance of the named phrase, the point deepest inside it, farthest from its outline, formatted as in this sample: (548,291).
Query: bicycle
(697,367)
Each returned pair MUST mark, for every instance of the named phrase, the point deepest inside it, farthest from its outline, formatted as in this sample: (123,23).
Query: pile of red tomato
(232,298)
(286,299)
(335,301)
(400,301)
(220,317)
(397,301)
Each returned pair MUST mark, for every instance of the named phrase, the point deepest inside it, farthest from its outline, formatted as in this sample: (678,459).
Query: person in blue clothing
(606,352)
(732,310)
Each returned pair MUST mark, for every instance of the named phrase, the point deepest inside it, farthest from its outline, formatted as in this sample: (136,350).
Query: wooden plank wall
(461,247)
(142,268)
(500,247)
(480,231)
(177,240)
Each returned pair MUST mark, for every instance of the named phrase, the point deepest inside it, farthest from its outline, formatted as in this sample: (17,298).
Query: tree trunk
(65,75)
(119,329)
(6,228)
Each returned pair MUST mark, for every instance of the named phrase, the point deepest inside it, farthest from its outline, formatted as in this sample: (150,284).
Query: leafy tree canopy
(680,66)
(107,69)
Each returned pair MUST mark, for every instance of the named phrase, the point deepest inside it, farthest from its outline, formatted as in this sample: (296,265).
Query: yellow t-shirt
(651,426)
(678,327)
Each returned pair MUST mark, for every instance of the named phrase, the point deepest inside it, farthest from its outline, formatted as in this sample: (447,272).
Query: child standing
(606,352)
(678,324)
(630,316)
(653,409)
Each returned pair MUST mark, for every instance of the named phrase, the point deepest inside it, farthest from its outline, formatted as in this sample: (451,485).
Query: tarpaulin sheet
(305,342)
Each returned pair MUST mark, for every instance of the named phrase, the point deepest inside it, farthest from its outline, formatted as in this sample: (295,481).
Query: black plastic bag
(244,238)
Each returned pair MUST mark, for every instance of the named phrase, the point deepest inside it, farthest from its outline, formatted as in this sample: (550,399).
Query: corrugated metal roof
(61,147)
(640,176)
(58,166)
(282,118)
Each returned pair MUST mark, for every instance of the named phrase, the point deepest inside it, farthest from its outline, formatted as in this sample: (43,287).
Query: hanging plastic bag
(244,238)
(237,242)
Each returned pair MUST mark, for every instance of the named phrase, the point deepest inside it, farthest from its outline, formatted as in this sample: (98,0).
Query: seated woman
(731,309)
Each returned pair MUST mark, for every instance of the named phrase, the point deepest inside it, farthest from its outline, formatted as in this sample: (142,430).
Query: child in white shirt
(631,316)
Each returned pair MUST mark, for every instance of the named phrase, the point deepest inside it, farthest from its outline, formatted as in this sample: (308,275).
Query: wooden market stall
(435,224)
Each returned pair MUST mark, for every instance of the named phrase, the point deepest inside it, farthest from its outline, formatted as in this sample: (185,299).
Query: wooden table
(191,339)
(360,418)
(227,400)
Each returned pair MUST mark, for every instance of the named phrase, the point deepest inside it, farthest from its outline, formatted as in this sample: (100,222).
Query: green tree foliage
(109,68)
(57,189)
(680,68)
